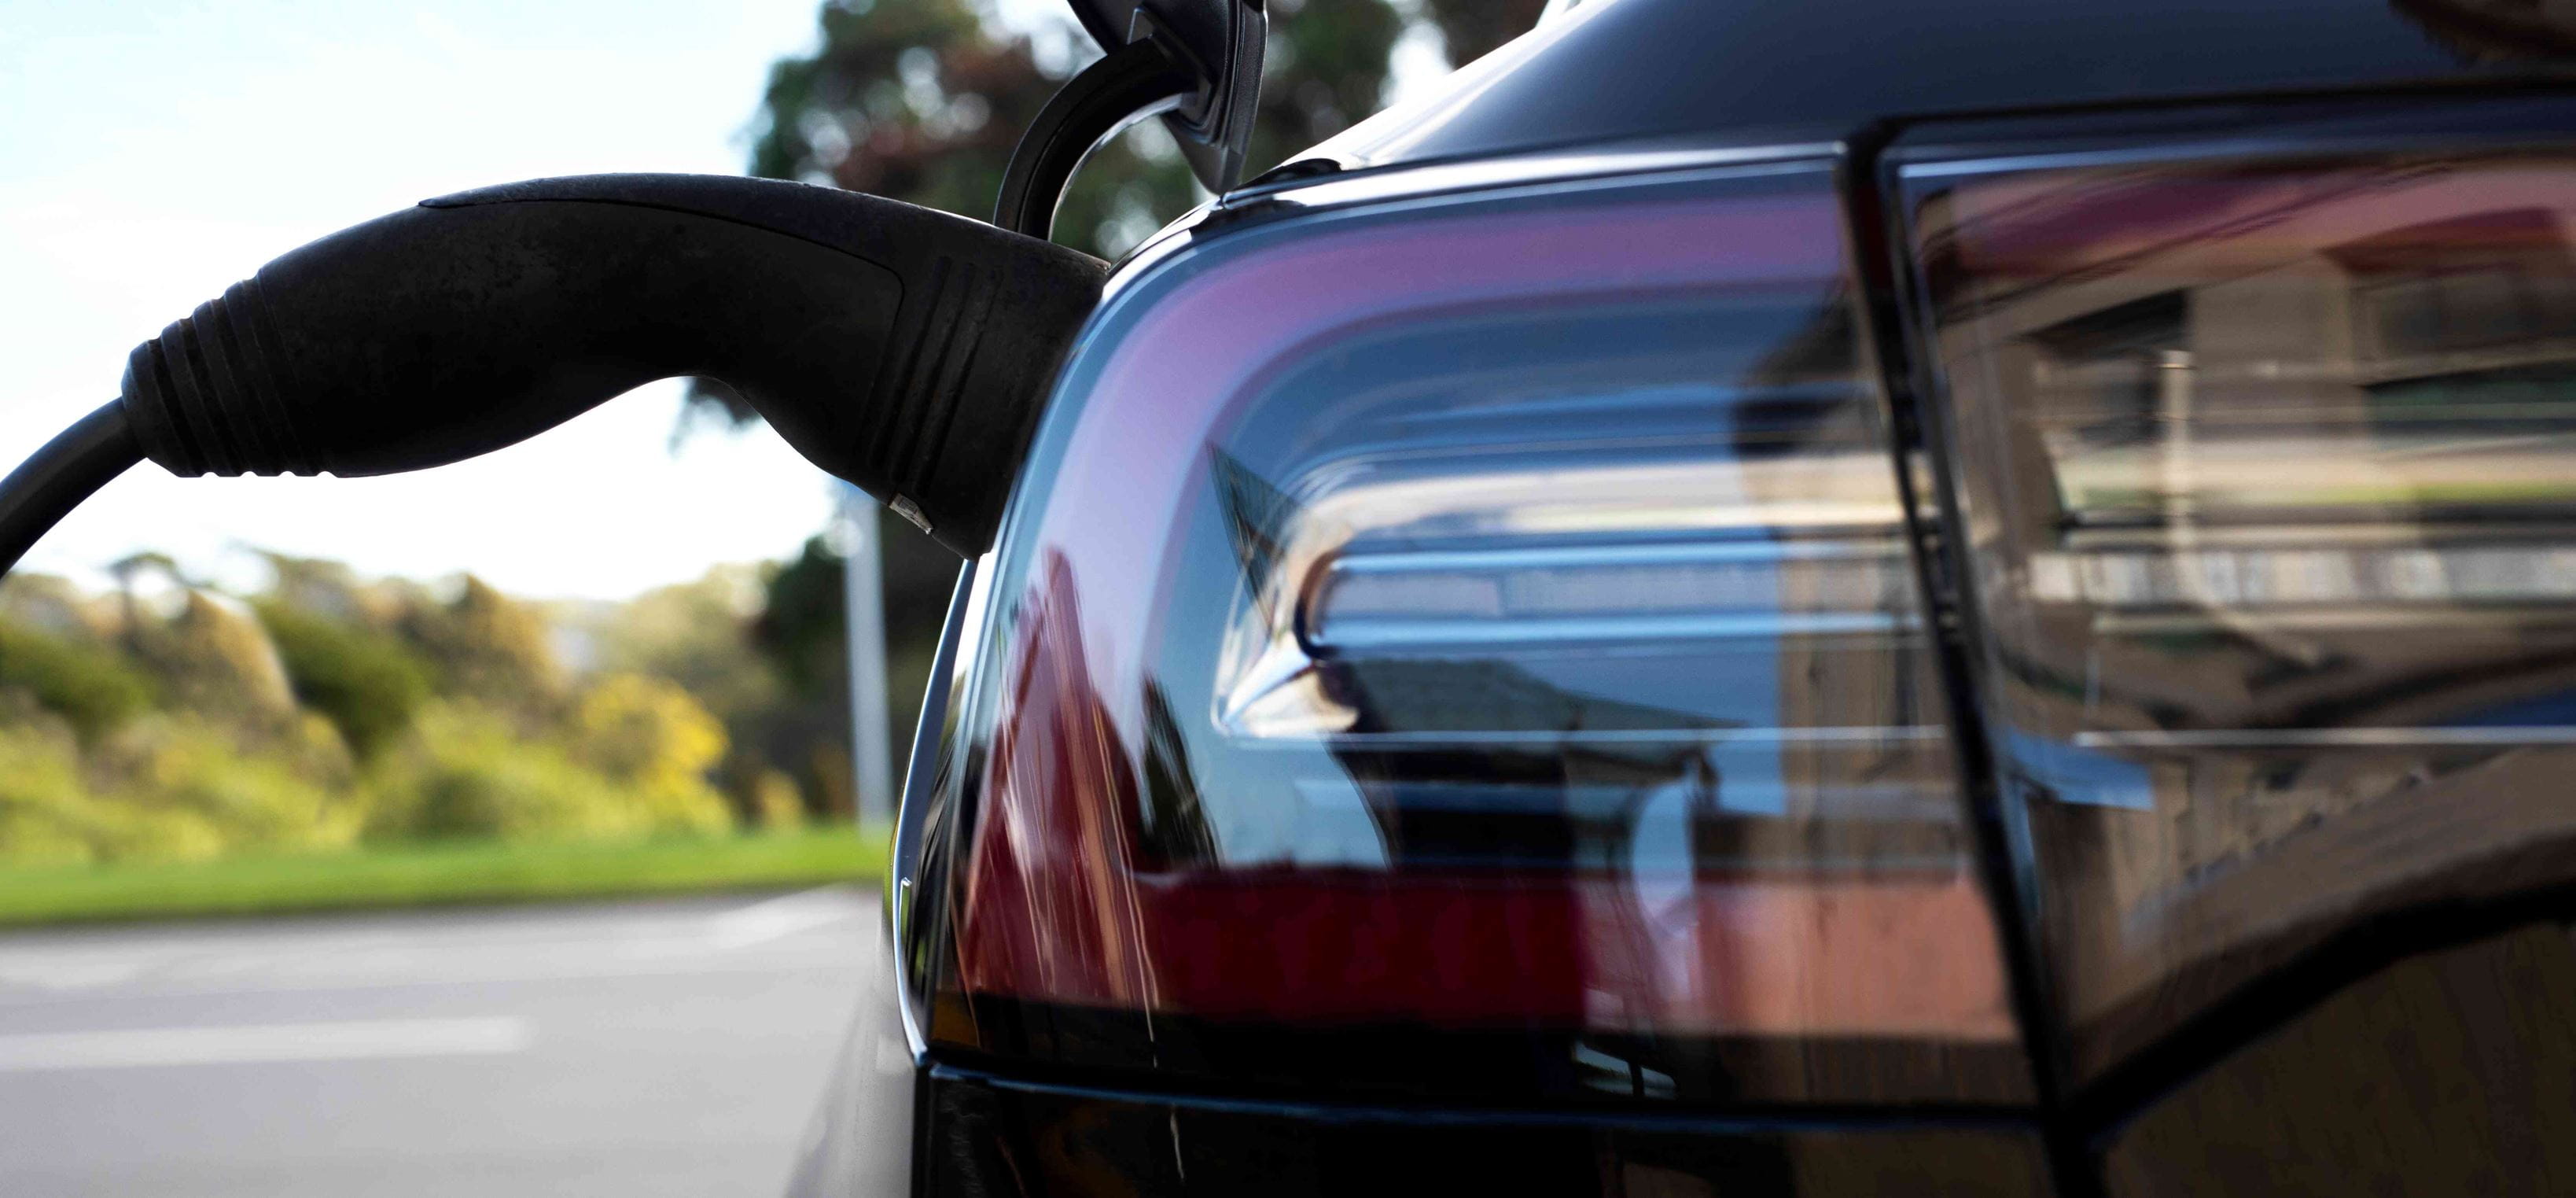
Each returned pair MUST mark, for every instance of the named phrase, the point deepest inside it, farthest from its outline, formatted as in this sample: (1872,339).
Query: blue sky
(153,152)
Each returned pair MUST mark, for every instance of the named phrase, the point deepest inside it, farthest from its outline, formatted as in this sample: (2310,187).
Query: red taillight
(2269,475)
(1487,617)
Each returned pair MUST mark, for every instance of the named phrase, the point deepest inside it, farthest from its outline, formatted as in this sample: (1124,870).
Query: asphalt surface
(629,1049)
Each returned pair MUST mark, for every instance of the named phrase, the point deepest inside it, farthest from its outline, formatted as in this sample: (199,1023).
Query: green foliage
(802,628)
(1469,29)
(167,789)
(923,100)
(775,801)
(697,635)
(1325,70)
(52,605)
(694,634)
(46,816)
(802,632)
(469,775)
(645,730)
(184,770)
(488,647)
(456,872)
(218,663)
(87,685)
(365,682)
(654,741)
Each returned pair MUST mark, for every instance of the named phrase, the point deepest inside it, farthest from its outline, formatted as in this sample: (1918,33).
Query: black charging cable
(904,350)
(57,478)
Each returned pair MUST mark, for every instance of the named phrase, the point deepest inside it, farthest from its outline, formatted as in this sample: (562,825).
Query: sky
(154,151)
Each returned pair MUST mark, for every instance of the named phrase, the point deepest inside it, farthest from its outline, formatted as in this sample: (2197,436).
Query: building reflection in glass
(2271,481)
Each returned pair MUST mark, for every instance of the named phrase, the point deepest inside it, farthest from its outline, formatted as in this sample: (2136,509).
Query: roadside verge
(430,875)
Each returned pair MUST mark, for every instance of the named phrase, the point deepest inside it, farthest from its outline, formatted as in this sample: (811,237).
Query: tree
(488,647)
(698,636)
(922,101)
(1470,29)
(220,664)
(364,681)
(125,570)
(803,633)
(1325,70)
(88,685)
(656,743)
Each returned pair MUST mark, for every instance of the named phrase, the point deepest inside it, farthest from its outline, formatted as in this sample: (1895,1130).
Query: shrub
(636,728)
(87,685)
(48,816)
(123,832)
(185,767)
(490,648)
(780,806)
(468,774)
(219,663)
(44,812)
(694,634)
(651,738)
(363,681)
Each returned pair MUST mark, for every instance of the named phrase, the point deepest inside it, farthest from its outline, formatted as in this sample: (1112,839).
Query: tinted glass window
(2269,474)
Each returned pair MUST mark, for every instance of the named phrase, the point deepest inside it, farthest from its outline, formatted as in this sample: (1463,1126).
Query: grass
(438,874)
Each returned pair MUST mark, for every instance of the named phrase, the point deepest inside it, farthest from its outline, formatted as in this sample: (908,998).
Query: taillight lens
(1488,617)
(2268,472)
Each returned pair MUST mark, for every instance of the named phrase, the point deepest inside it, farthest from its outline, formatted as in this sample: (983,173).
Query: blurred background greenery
(172,720)
(922,100)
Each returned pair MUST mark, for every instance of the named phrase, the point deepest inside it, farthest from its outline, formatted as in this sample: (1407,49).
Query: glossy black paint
(990,1136)
(1224,41)
(1752,71)
(1726,73)
(2448,1073)
(1534,1066)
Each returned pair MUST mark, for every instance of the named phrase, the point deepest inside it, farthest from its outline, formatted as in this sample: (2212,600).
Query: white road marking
(71,974)
(783,916)
(791,931)
(356,1040)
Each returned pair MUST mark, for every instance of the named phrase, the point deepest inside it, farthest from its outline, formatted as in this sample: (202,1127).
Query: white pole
(863,599)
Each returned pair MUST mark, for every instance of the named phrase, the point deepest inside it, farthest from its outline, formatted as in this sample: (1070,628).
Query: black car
(1776,598)
(1878,598)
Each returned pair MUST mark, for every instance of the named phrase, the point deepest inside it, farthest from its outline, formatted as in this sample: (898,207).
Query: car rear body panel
(1619,90)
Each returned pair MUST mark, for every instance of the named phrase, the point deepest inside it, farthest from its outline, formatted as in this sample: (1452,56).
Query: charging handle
(904,350)
(1138,79)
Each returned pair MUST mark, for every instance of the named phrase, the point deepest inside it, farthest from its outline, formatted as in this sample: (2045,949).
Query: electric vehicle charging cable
(56,478)
(903,350)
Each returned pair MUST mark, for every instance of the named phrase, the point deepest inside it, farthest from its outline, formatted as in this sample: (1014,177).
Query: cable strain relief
(205,396)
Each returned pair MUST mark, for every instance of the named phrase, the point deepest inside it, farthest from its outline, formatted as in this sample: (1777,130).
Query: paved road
(629,1049)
